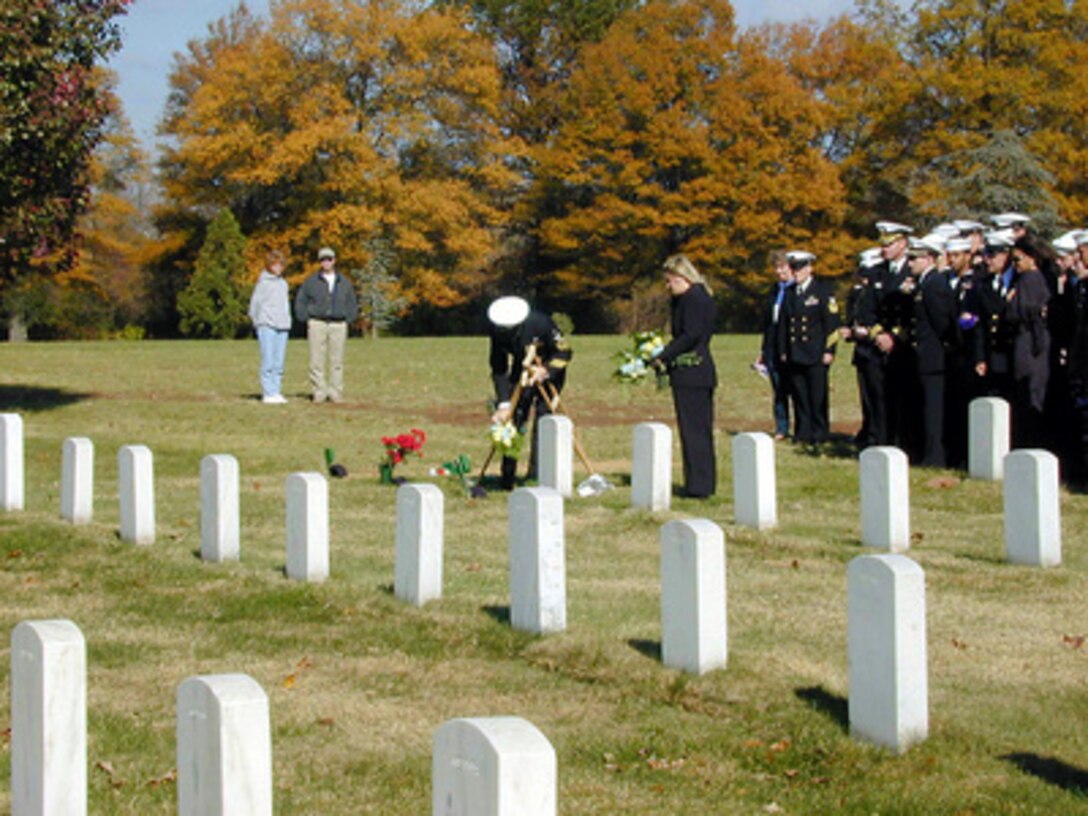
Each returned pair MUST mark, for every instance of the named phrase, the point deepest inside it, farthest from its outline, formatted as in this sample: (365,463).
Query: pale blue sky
(154,30)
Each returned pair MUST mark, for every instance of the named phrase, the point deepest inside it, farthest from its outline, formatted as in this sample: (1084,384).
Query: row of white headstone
(498,765)
(693,575)
(1031,496)
(886,602)
(651,476)
(1032,513)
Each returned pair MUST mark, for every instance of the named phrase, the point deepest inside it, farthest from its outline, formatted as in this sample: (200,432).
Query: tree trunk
(16,329)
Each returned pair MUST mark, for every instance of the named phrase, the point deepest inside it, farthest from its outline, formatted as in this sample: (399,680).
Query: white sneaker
(274,399)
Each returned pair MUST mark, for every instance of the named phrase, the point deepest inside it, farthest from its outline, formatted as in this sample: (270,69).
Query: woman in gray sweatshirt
(270,311)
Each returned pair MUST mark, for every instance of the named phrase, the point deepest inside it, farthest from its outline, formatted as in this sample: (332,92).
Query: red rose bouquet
(398,447)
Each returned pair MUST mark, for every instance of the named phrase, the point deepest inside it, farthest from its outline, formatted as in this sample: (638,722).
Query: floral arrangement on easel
(506,438)
(396,449)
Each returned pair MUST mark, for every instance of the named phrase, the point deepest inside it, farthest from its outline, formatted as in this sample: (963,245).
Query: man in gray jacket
(326,302)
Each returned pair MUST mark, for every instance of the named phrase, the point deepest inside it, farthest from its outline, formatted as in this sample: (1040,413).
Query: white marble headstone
(754,489)
(49,719)
(1033,522)
(886,610)
(420,519)
(694,635)
(885,498)
(307,527)
(651,468)
(224,747)
(555,458)
(136,490)
(12,468)
(494,766)
(77,480)
(988,438)
(538,582)
(220,524)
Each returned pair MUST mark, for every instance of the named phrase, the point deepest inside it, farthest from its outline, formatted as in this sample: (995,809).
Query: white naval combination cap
(932,244)
(966,226)
(800,258)
(1010,219)
(1066,243)
(893,228)
(508,311)
(868,258)
(999,239)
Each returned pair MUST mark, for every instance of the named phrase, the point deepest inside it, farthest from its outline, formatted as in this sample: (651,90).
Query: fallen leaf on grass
(290,680)
(472,568)
(791,773)
(6,735)
(107,768)
(328,722)
(169,778)
(917,536)
(943,482)
(753,743)
(959,644)
(795,564)
(773,807)
(1073,641)
(15,554)
(659,764)
(781,745)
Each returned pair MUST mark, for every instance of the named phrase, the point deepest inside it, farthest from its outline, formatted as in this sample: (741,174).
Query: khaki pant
(326,342)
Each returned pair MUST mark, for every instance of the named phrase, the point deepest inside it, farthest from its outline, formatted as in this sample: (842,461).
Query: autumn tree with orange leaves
(564,148)
(352,125)
(680,137)
(959,109)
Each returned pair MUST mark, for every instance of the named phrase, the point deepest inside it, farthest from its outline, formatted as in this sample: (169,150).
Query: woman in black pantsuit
(1025,310)
(691,373)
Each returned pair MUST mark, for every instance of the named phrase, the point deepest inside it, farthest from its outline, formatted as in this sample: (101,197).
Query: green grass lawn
(359,682)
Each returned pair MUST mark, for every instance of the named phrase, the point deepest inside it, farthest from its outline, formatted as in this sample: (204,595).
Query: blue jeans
(273,343)
(781,388)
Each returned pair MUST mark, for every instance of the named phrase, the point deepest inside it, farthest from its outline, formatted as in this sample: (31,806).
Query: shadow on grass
(837,446)
(36,398)
(1054,771)
(991,560)
(833,705)
(500,614)
(388,589)
(649,648)
(487,486)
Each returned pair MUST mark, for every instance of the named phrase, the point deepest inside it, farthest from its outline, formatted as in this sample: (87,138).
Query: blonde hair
(680,266)
(274,257)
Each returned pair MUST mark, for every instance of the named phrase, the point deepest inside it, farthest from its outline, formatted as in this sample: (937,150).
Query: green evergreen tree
(1000,176)
(212,305)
